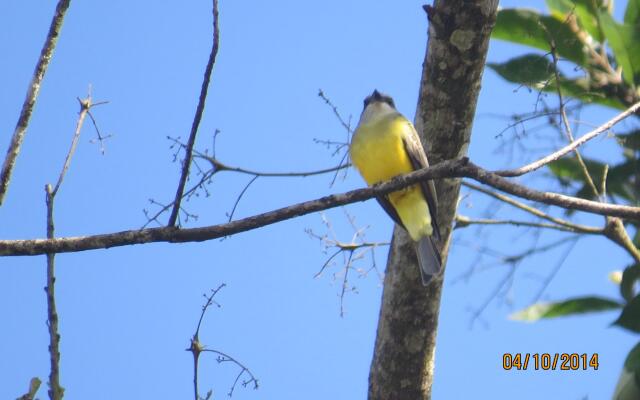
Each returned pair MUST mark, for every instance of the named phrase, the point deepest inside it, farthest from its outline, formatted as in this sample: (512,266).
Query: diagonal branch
(462,221)
(534,211)
(447,169)
(565,119)
(32,94)
(196,119)
(570,147)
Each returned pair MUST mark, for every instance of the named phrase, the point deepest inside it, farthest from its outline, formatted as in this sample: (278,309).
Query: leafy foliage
(581,51)
(580,305)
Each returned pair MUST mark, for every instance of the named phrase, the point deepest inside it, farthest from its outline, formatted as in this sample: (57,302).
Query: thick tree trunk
(459,30)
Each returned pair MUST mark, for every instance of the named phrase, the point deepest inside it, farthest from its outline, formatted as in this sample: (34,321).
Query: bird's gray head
(376,106)
(377,97)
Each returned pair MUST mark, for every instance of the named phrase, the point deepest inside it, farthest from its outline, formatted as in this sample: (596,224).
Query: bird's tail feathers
(429,259)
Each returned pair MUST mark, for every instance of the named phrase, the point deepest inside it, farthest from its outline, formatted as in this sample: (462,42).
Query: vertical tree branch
(459,31)
(565,119)
(55,390)
(186,164)
(32,94)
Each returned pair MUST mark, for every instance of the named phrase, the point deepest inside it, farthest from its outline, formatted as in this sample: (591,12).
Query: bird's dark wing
(391,211)
(418,158)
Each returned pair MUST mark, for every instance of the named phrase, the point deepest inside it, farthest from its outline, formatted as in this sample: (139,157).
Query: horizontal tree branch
(447,169)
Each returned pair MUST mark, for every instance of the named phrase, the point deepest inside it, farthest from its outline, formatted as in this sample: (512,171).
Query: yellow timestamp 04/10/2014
(550,361)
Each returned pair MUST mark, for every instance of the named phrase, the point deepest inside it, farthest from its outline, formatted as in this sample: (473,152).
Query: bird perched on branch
(385,144)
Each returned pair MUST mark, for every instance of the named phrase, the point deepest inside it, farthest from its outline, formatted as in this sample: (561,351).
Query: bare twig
(339,146)
(220,166)
(446,169)
(570,147)
(32,94)
(196,348)
(186,165)
(352,251)
(85,105)
(56,392)
(565,119)
(555,270)
(534,211)
(346,125)
(463,221)
(222,357)
(34,385)
(242,192)
(345,282)
(512,261)
(100,138)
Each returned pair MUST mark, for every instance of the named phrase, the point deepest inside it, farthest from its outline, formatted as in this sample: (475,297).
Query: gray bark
(459,31)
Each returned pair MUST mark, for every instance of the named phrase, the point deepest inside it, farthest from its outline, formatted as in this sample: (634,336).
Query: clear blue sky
(126,314)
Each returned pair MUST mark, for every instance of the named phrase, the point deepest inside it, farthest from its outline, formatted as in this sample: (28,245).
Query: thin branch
(223,357)
(216,167)
(244,190)
(346,125)
(196,347)
(463,221)
(555,270)
(100,137)
(32,94)
(219,166)
(85,105)
(534,211)
(447,169)
(565,119)
(196,120)
(208,304)
(345,282)
(570,147)
(34,385)
(56,392)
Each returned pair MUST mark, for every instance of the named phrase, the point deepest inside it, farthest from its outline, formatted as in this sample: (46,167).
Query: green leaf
(532,29)
(630,316)
(531,76)
(619,178)
(584,10)
(568,170)
(559,8)
(579,305)
(632,362)
(622,181)
(533,70)
(624,40)
(630,275)
(630,140)
(632,13)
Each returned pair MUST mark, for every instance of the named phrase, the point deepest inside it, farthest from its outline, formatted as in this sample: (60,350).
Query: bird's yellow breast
(378,151)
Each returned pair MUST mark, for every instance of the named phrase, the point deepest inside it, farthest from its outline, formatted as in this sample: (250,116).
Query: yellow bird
(384,145)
